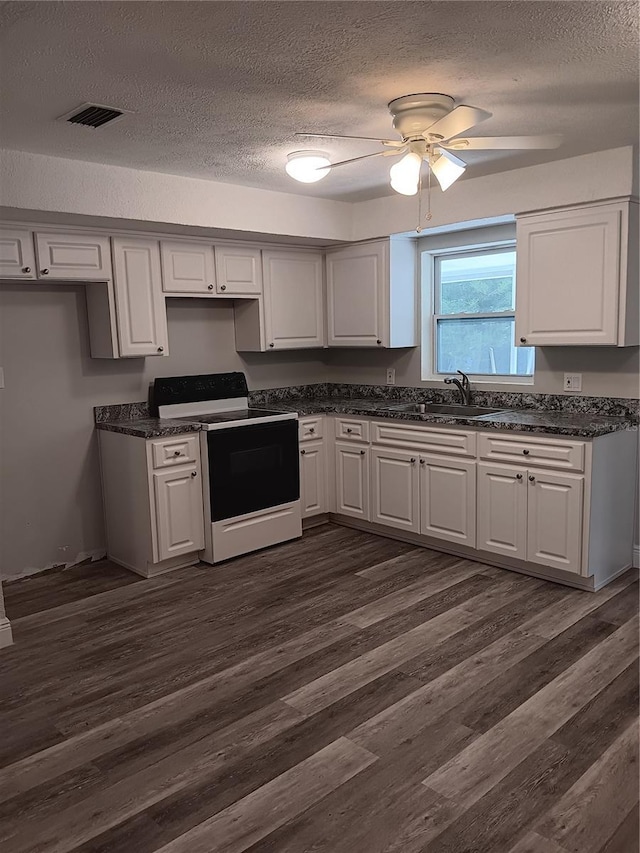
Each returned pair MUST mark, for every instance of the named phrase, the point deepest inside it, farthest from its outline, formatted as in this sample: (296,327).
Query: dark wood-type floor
(343,693)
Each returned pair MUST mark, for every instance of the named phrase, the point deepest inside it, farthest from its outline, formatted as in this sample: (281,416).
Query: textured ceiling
(218,88)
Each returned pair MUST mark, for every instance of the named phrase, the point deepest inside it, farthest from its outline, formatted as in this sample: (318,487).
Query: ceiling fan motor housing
(413,114)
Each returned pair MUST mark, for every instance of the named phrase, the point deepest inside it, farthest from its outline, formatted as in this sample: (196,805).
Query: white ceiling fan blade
(513,143)
(455,122)
(364,157)
(394,142)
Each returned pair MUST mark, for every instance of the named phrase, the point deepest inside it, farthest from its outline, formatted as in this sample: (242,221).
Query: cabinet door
(448,499)
(187,268)
(502,510)
(313,472)
(554,522)
(73,256)
(293,300)
(17,259)
(357,288)
(568,273)
(352,480)
(395,489)
(179,512)
(141,314)
(238,271)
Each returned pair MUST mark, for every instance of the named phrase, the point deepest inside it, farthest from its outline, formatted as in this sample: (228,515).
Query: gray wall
(50,502)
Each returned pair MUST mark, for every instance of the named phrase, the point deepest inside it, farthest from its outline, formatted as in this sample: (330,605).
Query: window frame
(430,259)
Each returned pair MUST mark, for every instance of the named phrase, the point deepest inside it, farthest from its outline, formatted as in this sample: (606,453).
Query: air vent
(93,115)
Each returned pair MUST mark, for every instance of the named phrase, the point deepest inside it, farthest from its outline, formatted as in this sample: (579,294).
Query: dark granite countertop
(550,422)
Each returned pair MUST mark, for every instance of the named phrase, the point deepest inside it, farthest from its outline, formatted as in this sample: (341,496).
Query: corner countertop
(549,422)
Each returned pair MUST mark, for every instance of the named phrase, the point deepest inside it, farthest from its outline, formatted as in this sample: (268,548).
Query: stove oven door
(252,468)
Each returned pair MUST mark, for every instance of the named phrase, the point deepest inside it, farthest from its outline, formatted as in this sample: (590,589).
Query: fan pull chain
(429,214)
(419,226)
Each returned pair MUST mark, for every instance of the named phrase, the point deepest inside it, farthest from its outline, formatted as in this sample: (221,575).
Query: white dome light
(307,166)
(406,174)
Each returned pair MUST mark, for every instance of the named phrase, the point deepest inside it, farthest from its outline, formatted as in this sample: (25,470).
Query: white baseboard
(636,557)
(6,637)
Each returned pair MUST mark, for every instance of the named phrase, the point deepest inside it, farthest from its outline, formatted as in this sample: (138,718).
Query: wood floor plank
(326,689)
(534,843)
(626,838)
(592,810)
(251,818)
(487,760)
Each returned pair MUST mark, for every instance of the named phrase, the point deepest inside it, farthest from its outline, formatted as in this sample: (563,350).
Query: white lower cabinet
(313,477)
(395,489)
(178,508)
(153,500)
(531,514)
(352,480)
(554,519)
(448,499)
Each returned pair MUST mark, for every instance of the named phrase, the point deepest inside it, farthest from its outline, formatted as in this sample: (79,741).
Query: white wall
(50,502)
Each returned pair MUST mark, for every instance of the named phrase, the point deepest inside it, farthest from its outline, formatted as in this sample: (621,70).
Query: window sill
(485,380)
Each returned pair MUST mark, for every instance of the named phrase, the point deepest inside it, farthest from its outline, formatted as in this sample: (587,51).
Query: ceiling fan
(430,127)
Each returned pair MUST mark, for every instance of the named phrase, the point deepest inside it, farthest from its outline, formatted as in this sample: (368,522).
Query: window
(473,317)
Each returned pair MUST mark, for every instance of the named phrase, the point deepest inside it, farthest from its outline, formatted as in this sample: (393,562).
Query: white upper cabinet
(188,269)
(17,259)
(577,276)
(293,299)
(140,308)
(371,294)
(238,271)
(84,257)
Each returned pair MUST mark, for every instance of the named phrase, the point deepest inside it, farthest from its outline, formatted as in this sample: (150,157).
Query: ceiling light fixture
(307,166)
(430,127)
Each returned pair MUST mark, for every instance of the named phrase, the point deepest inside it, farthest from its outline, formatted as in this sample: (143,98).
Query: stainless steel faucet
(463,387)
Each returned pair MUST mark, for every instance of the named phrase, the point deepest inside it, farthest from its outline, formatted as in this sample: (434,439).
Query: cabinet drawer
(311,428)
(545,452)
(354,430)
(174,451)
(430,439)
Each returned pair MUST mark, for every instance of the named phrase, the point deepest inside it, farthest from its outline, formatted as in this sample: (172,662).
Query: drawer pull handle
(518,476)
(176,453)
(362,453)
(303,452)
(526,452)
(423,461)
(349,430)
(413,460)
(311,429)
(532,479)
(194,473)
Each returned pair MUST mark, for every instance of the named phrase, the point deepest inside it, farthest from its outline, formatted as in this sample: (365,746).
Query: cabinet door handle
(44,272)
(209,287)
(523,340)
(26,269)
(194,473)
(378,341)
(272,345)
(518,476)
(303,452)
(526,452)
(223,287)
(532,479)
(160,349)
(362,453)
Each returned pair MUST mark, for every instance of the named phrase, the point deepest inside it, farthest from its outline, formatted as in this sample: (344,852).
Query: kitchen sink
(452,410)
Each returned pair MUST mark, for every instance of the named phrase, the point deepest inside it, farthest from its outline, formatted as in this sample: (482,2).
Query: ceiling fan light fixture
(405,174)
(447,168)
(307,166)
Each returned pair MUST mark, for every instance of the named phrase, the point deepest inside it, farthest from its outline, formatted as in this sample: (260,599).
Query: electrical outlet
(573,382)
(391,376)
